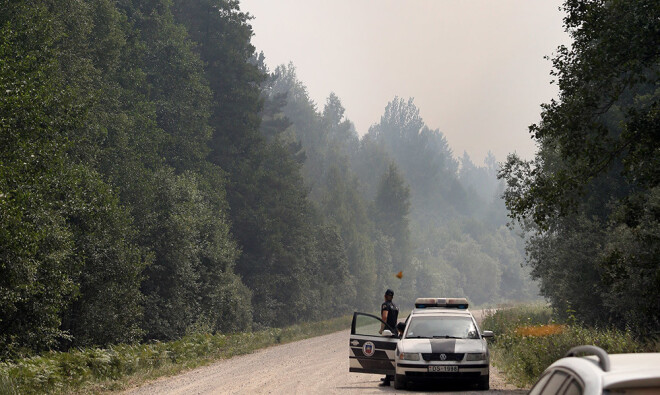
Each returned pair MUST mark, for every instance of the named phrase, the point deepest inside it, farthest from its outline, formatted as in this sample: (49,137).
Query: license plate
(451,369)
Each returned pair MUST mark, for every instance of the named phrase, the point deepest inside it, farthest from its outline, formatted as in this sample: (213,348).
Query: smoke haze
(475,68)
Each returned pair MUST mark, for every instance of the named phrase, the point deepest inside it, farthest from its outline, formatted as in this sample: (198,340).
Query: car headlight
(479,356)
(409,356)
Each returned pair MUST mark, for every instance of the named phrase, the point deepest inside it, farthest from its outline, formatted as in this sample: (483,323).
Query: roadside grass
(507,318)
(121,366)
(528,339)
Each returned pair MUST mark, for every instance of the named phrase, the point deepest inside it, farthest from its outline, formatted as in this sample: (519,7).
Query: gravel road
(314,366)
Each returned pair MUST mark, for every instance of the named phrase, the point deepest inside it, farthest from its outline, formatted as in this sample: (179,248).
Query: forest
(590,199)
(157,177)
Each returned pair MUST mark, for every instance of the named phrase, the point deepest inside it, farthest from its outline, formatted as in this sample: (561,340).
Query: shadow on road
(425,388)
(454,389)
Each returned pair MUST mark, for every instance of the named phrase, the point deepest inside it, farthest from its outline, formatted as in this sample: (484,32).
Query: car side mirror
(487,334)
(387,333)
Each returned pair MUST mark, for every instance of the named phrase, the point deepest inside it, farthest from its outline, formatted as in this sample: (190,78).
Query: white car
(600,373)
(441,342)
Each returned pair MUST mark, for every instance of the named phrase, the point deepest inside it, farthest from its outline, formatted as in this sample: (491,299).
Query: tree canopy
(590,195)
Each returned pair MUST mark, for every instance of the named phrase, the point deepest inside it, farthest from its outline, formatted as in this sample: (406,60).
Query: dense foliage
(590,198)
(155,178)
(528,340)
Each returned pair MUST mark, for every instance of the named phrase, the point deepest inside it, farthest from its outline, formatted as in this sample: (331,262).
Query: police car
(441,342)
(600,373)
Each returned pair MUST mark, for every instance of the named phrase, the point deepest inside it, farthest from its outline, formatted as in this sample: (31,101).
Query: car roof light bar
(459,303)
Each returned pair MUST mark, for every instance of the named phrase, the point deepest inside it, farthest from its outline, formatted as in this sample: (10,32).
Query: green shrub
(523,358)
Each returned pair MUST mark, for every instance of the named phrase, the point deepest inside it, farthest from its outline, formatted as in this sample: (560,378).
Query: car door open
(371,352)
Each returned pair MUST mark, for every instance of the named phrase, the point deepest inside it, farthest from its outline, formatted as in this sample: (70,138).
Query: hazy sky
(474,67)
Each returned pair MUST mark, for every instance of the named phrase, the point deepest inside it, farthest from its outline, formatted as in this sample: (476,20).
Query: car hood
(448,346)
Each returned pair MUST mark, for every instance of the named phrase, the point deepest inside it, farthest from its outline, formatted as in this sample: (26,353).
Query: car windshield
(442,328)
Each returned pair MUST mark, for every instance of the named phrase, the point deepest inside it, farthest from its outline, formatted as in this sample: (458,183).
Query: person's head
(389,294)
(400,327)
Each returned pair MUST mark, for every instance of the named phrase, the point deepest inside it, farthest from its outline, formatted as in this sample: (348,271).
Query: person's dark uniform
(392,317)
(392,311)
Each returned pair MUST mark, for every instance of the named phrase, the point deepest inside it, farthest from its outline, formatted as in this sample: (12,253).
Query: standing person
(389,313)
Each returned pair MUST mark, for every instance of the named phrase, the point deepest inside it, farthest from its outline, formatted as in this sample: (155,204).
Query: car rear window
(536,390)
(550,383)
(573,388)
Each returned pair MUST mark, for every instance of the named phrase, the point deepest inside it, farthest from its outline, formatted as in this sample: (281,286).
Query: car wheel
(400,381)
(484,383)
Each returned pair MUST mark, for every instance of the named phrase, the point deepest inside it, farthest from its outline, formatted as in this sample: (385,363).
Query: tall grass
(528,340)
(94,370)
(506,319)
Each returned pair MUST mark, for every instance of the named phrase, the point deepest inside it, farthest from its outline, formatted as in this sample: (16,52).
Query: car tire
(400,381)
(484,383)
